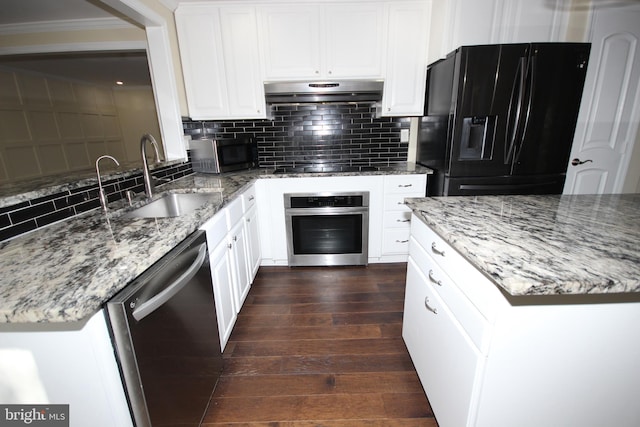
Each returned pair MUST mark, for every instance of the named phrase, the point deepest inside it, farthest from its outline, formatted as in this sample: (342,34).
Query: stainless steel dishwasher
(165,333)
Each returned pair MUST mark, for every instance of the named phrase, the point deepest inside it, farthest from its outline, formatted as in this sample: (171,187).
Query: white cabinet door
(221,275)
(253,242)
(447,362)
(219,54)
(223,291)
(354,38)
(290,41)
(314,42)
(240,269)
(472,22)
(525,21)
(245,89)
(406,63)
(202,62)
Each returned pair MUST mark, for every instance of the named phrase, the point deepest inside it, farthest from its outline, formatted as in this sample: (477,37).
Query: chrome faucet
(103,196)
(149,185)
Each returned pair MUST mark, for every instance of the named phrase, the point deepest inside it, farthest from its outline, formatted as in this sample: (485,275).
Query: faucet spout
(103,196)
(149,185)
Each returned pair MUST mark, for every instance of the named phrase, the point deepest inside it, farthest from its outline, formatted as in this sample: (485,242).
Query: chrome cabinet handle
(436,250)
(251,198)
(403,220)
(405,185)
(229,245)
(402,241)
(428,307)
(433,279)
(248,219)
(235,238)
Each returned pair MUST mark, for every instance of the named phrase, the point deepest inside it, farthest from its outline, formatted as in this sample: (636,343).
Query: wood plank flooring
(320,347)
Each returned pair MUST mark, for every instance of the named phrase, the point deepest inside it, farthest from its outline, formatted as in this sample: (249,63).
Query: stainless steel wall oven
(327,228)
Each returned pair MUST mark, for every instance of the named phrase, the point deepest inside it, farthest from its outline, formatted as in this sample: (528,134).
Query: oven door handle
(326,211)
(152,304)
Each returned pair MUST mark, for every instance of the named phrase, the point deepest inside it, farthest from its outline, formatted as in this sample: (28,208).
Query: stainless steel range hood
(304,92)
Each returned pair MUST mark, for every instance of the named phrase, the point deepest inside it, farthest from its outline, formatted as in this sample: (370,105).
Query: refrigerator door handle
(519,84)
(531,91)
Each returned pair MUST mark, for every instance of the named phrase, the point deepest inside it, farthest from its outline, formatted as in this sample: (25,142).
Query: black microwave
(223,155)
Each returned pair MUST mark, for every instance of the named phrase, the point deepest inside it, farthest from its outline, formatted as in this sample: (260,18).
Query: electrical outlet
(404,135)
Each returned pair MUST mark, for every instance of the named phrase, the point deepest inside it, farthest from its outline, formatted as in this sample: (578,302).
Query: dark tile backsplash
(27,216)
(307,135)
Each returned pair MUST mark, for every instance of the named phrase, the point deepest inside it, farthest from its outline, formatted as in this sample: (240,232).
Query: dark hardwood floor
(321,347)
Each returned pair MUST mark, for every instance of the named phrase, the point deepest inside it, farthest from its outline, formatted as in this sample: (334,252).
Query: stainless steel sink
(173,204)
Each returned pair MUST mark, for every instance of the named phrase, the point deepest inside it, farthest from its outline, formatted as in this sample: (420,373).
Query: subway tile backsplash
(313,134)
(36,213)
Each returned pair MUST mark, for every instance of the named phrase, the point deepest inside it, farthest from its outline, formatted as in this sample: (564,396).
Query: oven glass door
(327,234)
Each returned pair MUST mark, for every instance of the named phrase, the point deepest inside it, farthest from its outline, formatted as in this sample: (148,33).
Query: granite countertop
(65,272)
(544,245)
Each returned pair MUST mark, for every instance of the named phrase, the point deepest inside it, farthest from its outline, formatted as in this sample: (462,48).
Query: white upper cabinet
(312,41)
(471,22)
(290,41)
(220,61)
(407,54)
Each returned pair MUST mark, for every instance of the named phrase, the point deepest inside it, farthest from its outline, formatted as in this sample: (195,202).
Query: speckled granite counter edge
(104,252)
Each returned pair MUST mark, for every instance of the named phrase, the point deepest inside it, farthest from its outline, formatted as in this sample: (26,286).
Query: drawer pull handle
(403,220)
(428,307)
(251,198)
(436,250)
(405,185)
(433,279)
(402,241)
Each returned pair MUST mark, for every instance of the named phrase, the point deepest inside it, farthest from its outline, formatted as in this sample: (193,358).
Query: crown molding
(74,47)
(65,25)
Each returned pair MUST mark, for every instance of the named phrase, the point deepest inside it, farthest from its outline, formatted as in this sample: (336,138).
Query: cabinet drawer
(395,202)
(234,212)
(249,198)
(216,229)
(396,241)
(407,184)
(483,293)
(471,320)
(445,359)
(397,219)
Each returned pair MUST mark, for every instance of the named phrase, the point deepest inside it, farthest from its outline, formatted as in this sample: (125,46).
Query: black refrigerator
(500,119)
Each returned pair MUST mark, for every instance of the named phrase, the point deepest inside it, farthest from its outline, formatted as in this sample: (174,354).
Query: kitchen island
(524,310)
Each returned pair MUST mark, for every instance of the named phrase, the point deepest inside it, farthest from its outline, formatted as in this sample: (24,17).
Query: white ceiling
(95,67)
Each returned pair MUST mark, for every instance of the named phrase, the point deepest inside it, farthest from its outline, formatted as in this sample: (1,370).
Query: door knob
(576,162)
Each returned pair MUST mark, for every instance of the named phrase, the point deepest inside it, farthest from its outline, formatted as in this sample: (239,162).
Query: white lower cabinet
(64,363)
(221,274)
(234,251)
(252,231)
(396,221)
(238,246)
(487,362)
(226,312)
(445,359)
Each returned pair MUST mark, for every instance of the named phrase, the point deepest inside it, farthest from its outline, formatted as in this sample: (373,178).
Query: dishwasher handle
(152,304)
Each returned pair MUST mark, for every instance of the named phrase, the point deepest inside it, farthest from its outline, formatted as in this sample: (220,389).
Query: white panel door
(610,111)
